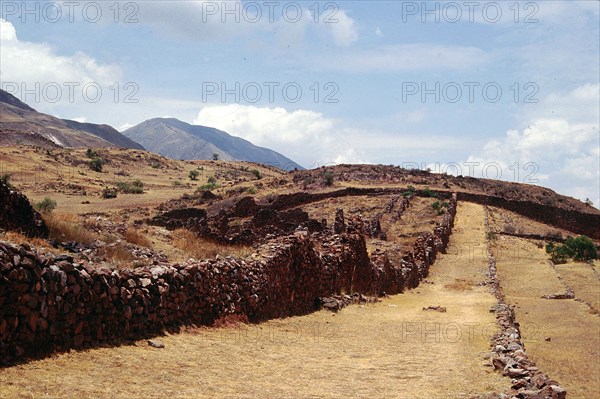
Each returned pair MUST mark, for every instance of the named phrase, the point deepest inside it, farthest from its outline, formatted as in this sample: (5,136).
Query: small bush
(155,165)
(46,206)
(580,248)
(428,193)
(96,164)
(177,183)
(251,190)
(256,173)
(409,191)
(134,187)
(212,180)
(328,178)
(91,153)
(108,193)
(193,174)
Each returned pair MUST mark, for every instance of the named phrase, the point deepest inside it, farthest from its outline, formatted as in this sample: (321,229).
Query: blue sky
(392,82)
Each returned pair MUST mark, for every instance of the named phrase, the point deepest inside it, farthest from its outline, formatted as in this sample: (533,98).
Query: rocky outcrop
(17,214)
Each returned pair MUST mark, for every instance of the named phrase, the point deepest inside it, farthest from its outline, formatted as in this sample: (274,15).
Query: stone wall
(49,304)
(571,220)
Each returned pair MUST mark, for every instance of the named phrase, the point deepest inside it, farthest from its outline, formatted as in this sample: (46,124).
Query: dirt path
(393,349)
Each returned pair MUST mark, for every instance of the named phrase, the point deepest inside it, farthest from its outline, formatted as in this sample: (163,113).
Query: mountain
(179,140)
(21,124)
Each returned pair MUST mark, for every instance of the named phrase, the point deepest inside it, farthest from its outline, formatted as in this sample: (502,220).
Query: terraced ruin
(374,282)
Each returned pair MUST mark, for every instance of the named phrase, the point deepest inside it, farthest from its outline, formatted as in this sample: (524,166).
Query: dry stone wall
(53,303)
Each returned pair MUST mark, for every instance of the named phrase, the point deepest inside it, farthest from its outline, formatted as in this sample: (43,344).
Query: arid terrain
(425,316)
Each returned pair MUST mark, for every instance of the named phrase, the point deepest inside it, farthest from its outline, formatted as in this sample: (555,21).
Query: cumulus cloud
(313,139)
(209,20)
(344,30)
(563,150)
(26,63)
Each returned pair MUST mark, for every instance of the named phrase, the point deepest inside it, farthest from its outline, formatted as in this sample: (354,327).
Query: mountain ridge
(176,139)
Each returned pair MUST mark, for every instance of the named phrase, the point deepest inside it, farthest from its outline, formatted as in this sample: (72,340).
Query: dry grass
(199,248)
(571,357)
(389,350)
(37,243)
(117,254)
(68,227)
(133,236)
(583,280)
(460,285)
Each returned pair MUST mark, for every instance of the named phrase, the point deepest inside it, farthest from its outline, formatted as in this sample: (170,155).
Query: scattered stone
(155,343)
(440,309)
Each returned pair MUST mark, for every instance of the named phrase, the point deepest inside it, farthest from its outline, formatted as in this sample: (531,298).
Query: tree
(215,157)
(193,175)
(589,202)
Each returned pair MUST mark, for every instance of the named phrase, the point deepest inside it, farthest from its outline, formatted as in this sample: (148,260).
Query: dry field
(571,356)
(393,349)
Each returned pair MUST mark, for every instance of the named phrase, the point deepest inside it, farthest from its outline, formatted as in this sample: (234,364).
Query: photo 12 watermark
(271,92)
(490,12)
(471,92)
(254,12)
(125,12)
(72,92)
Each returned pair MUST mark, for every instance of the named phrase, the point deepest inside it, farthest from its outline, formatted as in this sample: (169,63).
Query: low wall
(574,221)
(49,304)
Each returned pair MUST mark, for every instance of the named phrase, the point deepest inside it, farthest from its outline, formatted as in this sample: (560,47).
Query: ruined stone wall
(16,213)
(49,304)
(572,220)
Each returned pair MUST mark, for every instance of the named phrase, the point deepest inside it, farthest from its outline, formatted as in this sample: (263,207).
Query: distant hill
(179,140)
(21,124)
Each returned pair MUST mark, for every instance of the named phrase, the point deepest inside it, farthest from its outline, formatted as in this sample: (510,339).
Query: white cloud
(312,139)
(565,148)
(36,65)
(209,20)
(344,30)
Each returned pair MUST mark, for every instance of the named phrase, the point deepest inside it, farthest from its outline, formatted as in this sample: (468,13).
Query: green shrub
(428,193)
(108,193)
(177,183)
(212,180)
(328,178)
(193,174)
(251,190)
(96,164)
(91,153)
(256,174)
(46,206)
(409,191)
(134,187)
(580,248)
(155,165)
